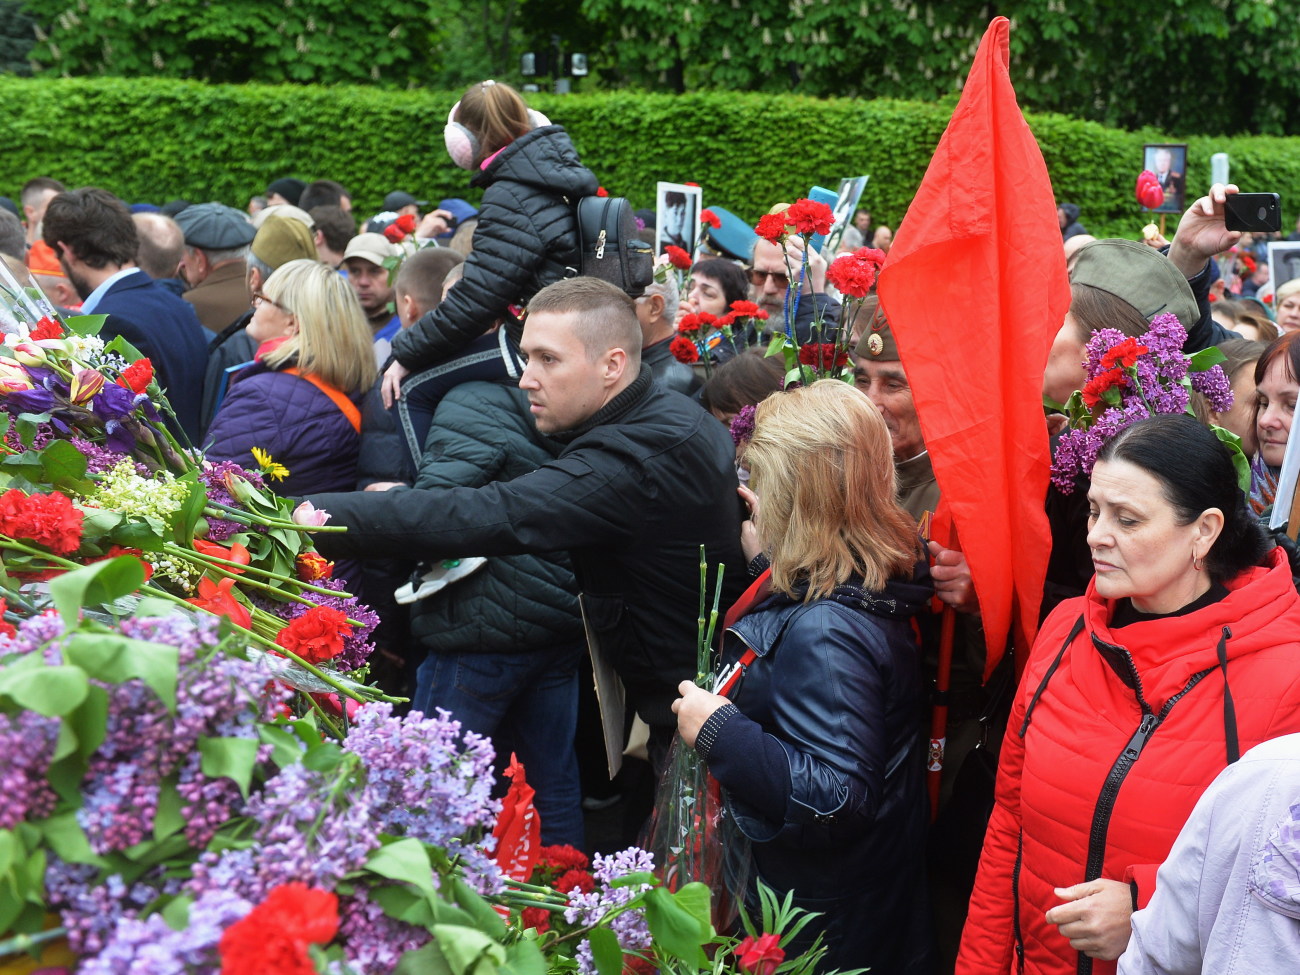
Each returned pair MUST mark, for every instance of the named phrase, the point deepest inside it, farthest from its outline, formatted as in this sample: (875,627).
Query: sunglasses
(779,278)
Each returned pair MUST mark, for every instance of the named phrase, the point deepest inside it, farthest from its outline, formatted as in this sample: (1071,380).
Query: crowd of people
(527,474)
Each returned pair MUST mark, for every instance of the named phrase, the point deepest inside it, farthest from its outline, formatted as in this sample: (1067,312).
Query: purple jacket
(296,423)
(1227,899)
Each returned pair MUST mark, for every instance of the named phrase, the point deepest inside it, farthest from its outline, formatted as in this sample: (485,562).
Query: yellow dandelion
(268,465)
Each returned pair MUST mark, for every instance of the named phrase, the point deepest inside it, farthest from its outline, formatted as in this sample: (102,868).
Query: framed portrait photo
(677,216)
(1169,162)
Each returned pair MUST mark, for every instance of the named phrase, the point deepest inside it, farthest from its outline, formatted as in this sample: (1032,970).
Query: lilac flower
(1101,341)
(742,425)
(152,947)
(629,926)
(91,908)
(1166,336)
(213,478)
(100,459)
(27,743)
(1213,384)
(374,942)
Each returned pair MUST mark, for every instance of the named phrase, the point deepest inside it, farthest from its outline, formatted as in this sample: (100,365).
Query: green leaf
(468,950)
(169,819)
(404,904)
(323,758)
(1239,461)
(85,324)
(95,584)
(525,958)
(64,835)
(1206,358)
(404,861)
(89,721)
(605,951)
(286,748)
(8,848)
(696,899)
(64,466)
(427,960)
(51,691)
(674,928)
(192,510)
(117,659)
(483,913)
(177,913)
(230,758)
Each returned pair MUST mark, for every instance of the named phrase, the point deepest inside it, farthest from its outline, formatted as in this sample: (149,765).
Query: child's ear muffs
(462,146)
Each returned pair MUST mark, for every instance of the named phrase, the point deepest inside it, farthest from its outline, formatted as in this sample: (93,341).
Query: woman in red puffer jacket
(1183,653)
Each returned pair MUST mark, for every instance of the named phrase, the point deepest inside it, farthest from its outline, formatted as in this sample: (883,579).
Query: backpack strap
(345,405)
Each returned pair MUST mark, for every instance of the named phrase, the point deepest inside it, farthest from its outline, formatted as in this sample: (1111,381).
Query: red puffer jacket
(1113,737)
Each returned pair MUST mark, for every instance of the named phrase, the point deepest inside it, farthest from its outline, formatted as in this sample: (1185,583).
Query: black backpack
(611,249)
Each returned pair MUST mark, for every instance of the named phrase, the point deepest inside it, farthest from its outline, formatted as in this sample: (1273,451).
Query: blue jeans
(529,700)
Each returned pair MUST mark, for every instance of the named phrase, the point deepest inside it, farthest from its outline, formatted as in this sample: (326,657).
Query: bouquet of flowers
(91,470)
(827,355)
(699,334)
(1130,379)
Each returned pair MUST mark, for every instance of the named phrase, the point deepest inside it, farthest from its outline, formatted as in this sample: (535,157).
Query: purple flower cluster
(590,909)
(213,478)
(742,425)
(149,946)
(357,648)
(100,459)
(1162,386)
(93,906)
(430,783)
(374,942)
(27,743)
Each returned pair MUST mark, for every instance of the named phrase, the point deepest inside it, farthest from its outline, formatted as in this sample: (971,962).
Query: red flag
(518,830)
(975,289)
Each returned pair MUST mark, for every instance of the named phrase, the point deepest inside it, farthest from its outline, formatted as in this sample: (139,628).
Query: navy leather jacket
(822,768)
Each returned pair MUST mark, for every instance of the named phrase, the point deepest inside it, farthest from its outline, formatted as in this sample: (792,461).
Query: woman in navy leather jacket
(816,743)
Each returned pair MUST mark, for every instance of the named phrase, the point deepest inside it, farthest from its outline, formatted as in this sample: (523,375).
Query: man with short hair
(400,202)
(13,242)
(36,196)
(857,233)
(213,264)
(364,261)
(641,479)
(325,193)
(656,310)
(92,232)
(334,228)
(162,245)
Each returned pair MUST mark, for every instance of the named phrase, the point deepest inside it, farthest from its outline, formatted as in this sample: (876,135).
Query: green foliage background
(157,139)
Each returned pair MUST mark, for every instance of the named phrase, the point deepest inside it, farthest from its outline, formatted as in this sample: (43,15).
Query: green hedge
(156,139)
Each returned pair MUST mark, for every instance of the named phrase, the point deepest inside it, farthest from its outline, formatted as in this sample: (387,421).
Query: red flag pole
(939,713)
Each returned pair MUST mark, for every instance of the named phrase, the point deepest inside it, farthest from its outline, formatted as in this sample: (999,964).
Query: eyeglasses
(779,278)
(258,298)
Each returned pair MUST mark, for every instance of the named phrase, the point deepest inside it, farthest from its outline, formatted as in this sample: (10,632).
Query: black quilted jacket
(482,433)
(526,238)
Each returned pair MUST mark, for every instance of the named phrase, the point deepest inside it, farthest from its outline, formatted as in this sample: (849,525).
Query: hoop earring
(1198,563)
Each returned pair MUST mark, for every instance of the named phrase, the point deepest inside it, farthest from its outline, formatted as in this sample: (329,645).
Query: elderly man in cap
(279,240)
(216,243)
(364,261)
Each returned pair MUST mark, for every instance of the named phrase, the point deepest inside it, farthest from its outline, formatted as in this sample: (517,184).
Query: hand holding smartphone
(1254,212)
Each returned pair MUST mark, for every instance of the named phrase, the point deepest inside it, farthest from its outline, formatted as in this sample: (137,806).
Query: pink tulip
(309,515)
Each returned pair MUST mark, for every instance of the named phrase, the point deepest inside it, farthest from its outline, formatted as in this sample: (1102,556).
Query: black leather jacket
(823,771)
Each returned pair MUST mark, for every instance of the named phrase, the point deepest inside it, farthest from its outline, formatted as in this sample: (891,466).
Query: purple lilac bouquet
(1131,379)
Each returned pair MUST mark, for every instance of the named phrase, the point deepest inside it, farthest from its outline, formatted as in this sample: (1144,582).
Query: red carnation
(823,355)
(601,191)
(771,227)
(747,309)
(684,350)
(137,376)
(563,857)
(700,321)
(46,328)
(711,218)
(49,520)
(854,275)
(536,917)
(6,628)
(570,879)
(761,955)
(678,258)
(809,217)
(1125,354)
(317,635)
(273,938)
(1095,388)
(725,322)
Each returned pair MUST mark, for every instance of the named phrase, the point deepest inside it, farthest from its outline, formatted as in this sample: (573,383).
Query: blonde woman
(298,401)
(815,732)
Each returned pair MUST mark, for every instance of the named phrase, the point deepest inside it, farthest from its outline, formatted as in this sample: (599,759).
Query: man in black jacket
(642,477)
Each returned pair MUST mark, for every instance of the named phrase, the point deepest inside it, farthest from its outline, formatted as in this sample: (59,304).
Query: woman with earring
(297,402)
(526,238)
(1183,653)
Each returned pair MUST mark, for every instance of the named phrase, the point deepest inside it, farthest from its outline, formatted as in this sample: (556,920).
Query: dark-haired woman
(716,284)
(1183,653)
(1277,384)
(526,238)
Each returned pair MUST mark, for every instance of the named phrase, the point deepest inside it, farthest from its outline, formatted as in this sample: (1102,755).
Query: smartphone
(1257,212)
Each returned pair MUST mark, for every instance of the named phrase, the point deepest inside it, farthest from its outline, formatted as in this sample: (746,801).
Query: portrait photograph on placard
(1169,162)
(1283,263)
(677,216)
(846,204)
